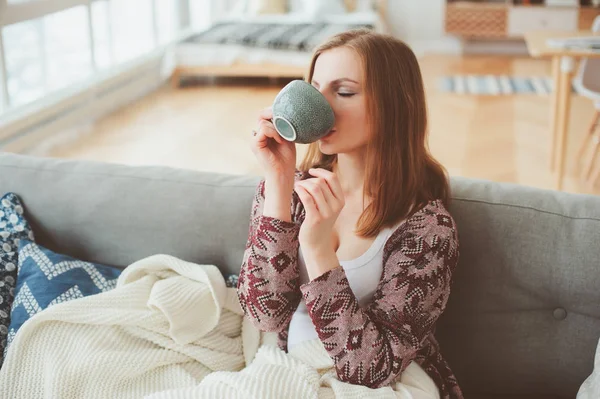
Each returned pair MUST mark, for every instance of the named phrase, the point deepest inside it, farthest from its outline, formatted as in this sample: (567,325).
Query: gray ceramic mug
(301,113)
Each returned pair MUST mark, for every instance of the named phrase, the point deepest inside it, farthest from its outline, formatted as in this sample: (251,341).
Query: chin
(326,148)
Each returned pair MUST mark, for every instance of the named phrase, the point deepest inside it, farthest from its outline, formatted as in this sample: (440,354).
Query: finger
(260,140)
(307,201)
(266,113)
(334,203)
(269,130)
(331,179)
(317,192)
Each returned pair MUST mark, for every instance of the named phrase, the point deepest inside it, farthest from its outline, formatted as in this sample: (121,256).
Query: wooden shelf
(507,20)
(476,20)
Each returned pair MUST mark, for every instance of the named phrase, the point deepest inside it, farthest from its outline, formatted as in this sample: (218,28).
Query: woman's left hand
(323,200)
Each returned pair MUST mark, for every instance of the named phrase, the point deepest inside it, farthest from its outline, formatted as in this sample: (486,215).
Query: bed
(269,45)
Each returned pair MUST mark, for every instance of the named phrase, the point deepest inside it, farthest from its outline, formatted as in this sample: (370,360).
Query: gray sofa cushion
(523,316)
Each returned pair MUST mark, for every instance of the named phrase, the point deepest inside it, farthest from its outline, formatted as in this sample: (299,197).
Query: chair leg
(595,150)
(595,175)
(588,137)
(594,178)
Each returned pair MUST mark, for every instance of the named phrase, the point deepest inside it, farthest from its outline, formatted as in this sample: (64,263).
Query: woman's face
(338,76)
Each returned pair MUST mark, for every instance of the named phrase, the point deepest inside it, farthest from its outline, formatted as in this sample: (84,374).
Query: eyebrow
(338,81)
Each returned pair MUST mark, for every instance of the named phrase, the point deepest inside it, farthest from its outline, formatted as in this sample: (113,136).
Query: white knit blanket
(305,373)
(166,325)
(172,330)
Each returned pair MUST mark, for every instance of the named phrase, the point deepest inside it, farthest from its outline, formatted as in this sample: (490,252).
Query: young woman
(356,247)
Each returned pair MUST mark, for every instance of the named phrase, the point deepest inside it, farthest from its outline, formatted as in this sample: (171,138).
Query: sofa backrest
(524,313)
(116,214)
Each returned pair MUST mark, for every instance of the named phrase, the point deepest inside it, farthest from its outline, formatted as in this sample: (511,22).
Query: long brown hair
(401,175)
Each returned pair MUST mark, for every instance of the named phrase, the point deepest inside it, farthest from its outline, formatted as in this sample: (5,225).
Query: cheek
(352,119)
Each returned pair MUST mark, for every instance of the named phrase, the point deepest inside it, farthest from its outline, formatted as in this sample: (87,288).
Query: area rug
(494,85)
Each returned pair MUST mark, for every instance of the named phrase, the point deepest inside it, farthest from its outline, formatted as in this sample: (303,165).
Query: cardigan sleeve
(372,346)
(268,284)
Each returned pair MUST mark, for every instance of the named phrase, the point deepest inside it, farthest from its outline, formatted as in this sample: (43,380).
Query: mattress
(295,37)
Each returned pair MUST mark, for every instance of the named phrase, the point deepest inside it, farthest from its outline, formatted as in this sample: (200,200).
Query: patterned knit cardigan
(370,346)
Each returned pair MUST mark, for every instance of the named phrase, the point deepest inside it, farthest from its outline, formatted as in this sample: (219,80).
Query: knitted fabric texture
(306,372)
(167,324)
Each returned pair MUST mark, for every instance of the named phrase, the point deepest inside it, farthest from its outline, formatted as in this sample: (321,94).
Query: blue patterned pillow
(231,280)
(46,278)
(13,229)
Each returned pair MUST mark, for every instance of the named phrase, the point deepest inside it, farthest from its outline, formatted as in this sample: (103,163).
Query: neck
(350,170)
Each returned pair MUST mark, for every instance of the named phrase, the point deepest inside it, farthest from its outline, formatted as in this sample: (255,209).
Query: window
(50,45)
(46,54)
(103,54)
(166,20)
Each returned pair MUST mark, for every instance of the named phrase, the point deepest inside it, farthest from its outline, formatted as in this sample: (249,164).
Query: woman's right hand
(276,155)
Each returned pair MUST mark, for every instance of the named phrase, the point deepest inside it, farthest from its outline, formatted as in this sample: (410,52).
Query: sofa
(523,320)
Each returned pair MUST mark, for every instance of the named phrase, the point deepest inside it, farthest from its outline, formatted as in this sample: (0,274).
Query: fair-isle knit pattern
(167,324)
(370,346)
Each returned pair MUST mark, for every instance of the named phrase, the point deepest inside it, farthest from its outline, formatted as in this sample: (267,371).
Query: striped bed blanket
(296,37)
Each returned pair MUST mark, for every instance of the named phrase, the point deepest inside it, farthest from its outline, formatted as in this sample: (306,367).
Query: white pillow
(238,10)
(364,5)
(323,8)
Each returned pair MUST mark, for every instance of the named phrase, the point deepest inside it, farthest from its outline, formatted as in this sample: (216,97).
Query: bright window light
(46,54)
(49,50)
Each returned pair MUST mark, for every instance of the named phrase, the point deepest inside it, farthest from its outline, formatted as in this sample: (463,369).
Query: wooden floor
(208,127)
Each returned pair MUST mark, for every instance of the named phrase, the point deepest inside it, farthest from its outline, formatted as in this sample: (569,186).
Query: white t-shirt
(363,275)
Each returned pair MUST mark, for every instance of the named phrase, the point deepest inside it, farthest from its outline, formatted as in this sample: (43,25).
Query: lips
(328,134)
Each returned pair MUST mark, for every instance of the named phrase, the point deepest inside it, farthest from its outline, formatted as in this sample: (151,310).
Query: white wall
(422,19)
(420,23)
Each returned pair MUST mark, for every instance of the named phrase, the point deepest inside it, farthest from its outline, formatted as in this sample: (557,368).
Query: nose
(326,93)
